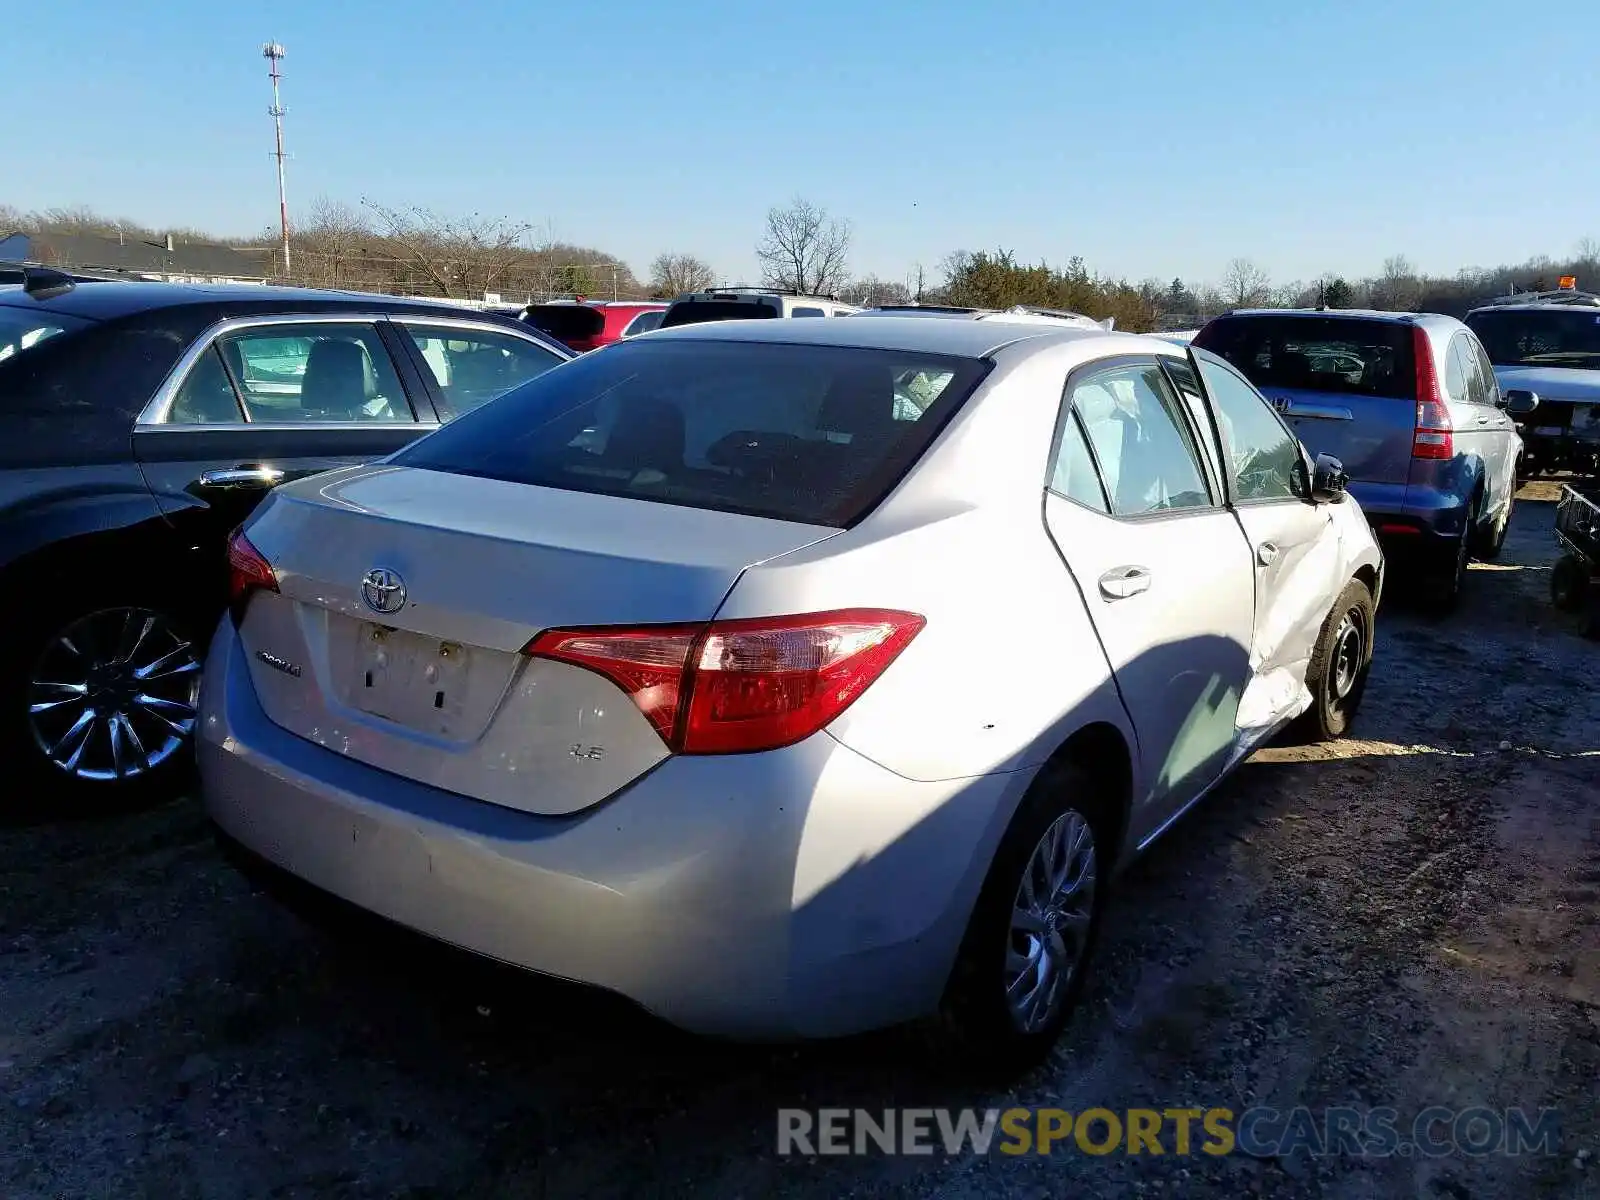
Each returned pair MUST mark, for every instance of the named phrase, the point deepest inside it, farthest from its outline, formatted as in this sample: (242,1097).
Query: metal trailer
(1572,587)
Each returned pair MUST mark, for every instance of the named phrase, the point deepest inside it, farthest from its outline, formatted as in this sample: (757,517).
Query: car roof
(1387,316)
(108,300)
(867,331)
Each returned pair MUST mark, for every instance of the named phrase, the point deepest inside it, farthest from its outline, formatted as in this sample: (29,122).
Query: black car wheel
(100,699)
(1340,662)
(1024,961)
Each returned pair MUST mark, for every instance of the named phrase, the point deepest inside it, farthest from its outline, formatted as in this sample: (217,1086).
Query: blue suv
(1409,404)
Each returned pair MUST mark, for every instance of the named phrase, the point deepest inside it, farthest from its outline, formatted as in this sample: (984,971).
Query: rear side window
(644,322)
(817,434)
(1342,355)
(808,312)
(692,312)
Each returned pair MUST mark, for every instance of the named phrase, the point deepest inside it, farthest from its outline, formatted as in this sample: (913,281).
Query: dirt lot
(1407,919)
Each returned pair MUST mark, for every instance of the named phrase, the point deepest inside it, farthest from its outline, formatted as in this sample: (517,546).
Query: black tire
(1495,540)
(1569,584)
(1442,586)
(979,1022)
(42,646)
(1340,664)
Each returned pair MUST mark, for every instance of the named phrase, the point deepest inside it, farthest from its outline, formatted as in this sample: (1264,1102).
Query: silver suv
(1545,348)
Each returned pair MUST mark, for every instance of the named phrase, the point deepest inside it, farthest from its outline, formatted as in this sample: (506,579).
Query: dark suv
(141,422)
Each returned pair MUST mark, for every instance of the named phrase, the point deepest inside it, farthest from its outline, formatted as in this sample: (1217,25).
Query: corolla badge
(383,590)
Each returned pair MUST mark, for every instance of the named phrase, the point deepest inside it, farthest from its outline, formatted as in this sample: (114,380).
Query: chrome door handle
(1122,582)
(242,477)
(1483,420)
(1265,553)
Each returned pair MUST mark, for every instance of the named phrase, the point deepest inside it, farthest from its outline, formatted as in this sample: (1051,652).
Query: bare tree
(333,245)
(1398,288)
(457,256)
(804,249)
(1244,283)
(870,291)
(1587,252)
(674,274)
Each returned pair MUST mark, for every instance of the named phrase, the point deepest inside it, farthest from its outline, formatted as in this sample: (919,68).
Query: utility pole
(273,53)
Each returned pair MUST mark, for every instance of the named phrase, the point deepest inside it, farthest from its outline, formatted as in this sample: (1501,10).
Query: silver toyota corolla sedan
(791,678)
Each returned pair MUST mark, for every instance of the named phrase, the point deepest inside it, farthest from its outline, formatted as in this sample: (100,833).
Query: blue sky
(1150,138)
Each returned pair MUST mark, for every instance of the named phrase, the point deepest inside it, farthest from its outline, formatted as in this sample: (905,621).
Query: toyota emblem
(383,590)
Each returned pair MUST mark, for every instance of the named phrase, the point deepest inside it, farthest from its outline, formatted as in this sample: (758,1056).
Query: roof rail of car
(1553,296)
(40,282)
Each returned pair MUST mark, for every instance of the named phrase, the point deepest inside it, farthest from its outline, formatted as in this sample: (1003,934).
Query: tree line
(373,246)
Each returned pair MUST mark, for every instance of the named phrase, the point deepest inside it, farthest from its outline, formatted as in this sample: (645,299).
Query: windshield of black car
(22,329)
(816,434)
(1533,337)
(1343,355)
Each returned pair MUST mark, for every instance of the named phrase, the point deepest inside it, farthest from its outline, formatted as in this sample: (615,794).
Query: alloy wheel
(1050,921)
(113,695)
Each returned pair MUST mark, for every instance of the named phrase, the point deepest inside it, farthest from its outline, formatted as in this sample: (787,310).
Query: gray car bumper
(679,892)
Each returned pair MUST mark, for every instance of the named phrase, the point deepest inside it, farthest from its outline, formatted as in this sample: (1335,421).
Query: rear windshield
(1317,354)
(817,434)
(566,322)
(692,312)
(21,329)
(1540,337)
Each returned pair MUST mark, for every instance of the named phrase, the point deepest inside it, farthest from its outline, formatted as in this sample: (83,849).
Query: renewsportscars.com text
(1259,1132)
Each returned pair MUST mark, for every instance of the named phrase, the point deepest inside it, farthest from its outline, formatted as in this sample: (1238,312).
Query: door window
(1141,443)
(473,366)
(314,372)
(807,312)
(1261,451)
(1491,385)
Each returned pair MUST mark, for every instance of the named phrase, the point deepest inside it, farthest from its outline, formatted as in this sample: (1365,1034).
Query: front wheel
(100,699)
(1340,662)
(1024,961)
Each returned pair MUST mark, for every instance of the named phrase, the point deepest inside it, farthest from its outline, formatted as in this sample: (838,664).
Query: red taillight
(248,571)
(1434,436)
(738,686)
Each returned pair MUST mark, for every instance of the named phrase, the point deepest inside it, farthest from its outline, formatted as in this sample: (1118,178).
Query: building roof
(136,255)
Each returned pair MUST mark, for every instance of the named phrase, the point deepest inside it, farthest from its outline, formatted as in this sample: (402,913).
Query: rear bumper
(1413,523)
(805,892)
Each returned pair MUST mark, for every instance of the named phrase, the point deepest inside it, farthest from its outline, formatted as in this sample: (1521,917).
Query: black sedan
(139,423)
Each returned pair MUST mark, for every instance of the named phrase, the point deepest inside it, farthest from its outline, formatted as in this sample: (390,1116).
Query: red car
(589,324)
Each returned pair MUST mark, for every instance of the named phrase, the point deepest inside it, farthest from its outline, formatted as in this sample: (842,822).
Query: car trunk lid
(405,598)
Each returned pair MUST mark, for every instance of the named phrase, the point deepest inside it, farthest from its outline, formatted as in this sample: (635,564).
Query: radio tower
(273,53)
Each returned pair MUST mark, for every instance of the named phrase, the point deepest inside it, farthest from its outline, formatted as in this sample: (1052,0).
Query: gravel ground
(1404,919)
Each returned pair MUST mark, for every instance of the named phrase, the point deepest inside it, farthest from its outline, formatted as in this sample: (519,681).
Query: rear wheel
(99,699)
(1494,540)
(1569,583)
(1442,587)
(1024,961)
(1340,662)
